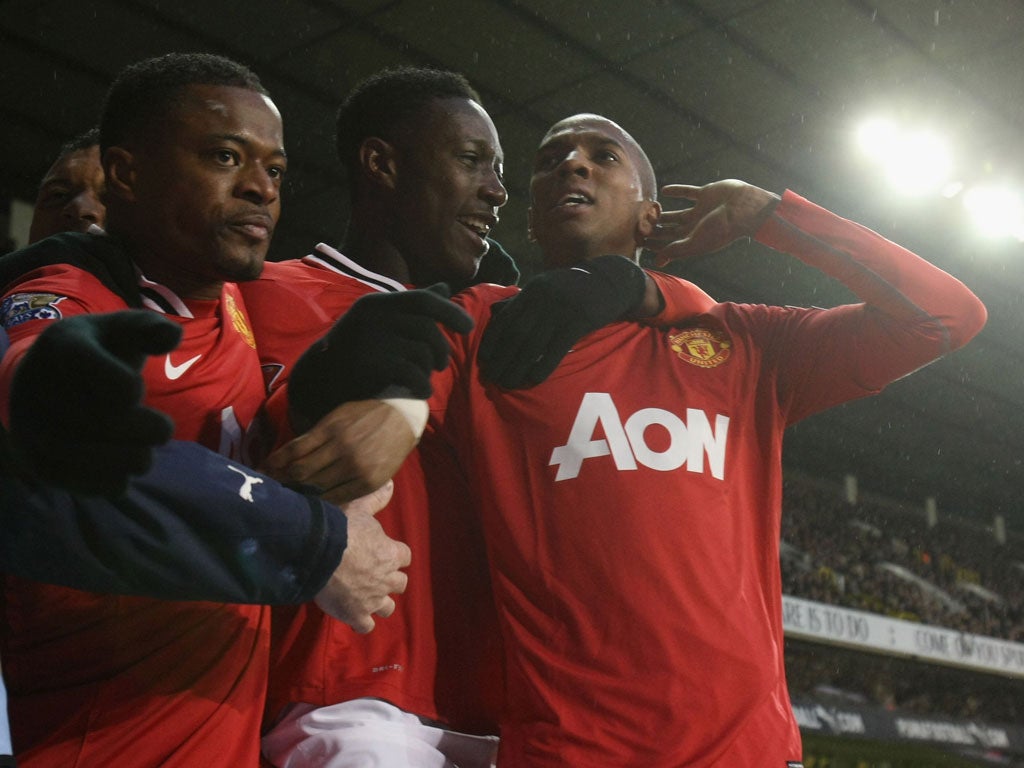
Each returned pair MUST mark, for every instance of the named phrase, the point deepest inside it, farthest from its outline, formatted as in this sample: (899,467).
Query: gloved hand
(386,345)
(496,266)
(76,414)
(530,333)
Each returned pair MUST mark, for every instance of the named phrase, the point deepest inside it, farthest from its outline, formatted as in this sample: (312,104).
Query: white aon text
(689,442)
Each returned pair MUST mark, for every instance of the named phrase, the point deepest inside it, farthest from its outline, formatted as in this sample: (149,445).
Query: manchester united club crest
(238,321)
(701,347)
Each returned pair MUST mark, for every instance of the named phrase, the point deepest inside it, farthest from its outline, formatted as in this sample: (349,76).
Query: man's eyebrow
(551,145)
(53,181)
(606,140)
(485,147)
(483,144)
(599,139)
(245,141)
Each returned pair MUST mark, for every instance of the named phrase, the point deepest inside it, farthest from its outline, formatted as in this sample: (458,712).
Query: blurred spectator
(840,676)
(834,550)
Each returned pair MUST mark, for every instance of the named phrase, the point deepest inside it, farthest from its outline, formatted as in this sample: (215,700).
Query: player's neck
(183,283)
(170,271)
(377,254)
(565,254)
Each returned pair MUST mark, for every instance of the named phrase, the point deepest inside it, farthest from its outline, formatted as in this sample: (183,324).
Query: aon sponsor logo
(694,442)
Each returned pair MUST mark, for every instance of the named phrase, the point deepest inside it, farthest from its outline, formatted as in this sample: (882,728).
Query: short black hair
(392,99)
(84,140)
(146,91)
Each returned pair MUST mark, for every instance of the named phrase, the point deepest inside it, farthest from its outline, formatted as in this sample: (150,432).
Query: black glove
(76,415)
(530,333)
(386,345)
(496,266)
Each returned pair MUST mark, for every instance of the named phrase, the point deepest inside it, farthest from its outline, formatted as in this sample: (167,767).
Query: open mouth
(573,199)
(480,225)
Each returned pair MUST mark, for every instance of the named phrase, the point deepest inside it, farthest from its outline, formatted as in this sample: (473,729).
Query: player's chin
(242,264)
(466,262)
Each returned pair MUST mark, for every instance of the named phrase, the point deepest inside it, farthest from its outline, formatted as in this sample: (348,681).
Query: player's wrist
(755,207)
(413,410)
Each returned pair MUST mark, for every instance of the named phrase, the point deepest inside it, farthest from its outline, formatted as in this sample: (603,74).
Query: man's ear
(647,220)
(119,172)
(377,161)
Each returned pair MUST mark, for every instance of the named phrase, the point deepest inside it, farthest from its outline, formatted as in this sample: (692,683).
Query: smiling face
(591,192)
(447,192)
(69,198)
(201,194)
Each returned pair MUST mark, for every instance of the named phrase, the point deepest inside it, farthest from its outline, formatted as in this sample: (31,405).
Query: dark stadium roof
(764,90)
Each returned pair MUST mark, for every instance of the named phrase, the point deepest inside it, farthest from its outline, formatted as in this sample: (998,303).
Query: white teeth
(479,226)
(574,199)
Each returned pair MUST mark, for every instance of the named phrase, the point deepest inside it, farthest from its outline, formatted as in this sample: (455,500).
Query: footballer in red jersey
(110,680)
(420,214)
(421,211)
(631,502)
(192,667)
(423,659)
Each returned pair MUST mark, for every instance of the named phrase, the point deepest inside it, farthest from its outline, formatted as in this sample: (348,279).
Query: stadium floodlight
(997,210)
(913,161)
(952,189)
(878,137)
(922,164)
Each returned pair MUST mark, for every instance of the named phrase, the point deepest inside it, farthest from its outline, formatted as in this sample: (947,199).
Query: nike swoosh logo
(175,372)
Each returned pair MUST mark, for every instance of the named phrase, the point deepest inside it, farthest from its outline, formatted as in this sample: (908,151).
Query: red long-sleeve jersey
(436,656)
(99,679)
(631,502)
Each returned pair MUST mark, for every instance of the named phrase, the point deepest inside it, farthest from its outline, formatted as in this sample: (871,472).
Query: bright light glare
(952,189)
(997,211)
(922,164)
(914,162)
(876,137)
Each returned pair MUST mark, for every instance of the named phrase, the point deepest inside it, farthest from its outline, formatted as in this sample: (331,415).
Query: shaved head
(590,121)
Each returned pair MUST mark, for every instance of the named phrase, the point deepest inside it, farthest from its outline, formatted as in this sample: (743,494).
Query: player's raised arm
(722,212)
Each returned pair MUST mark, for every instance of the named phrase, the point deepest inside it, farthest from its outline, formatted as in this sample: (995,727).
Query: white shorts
(370,733)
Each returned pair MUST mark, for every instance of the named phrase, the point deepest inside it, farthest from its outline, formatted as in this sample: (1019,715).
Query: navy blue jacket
(183,531)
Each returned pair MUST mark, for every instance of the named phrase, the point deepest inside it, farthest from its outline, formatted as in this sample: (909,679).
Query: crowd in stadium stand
(836,676)
(885,558)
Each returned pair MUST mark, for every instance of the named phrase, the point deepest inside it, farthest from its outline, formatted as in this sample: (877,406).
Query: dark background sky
(769,91)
